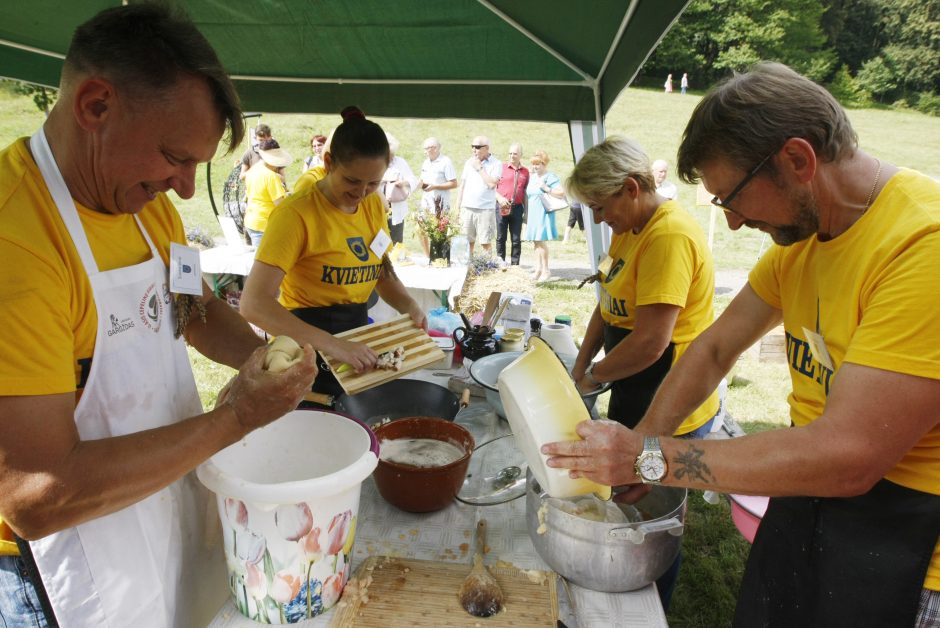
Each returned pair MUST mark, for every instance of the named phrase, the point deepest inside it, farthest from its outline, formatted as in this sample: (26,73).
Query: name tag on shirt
(817,347)
(380,243)
(185,273)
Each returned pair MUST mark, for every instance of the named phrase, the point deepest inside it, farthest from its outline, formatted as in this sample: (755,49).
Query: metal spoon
(480,594)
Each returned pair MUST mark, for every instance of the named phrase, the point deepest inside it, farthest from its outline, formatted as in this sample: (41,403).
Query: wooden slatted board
(409,593)
(420,350)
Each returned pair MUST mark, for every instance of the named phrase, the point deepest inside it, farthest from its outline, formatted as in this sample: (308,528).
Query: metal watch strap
(651,449)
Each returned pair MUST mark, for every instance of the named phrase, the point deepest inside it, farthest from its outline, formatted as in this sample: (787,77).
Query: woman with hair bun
(317,264)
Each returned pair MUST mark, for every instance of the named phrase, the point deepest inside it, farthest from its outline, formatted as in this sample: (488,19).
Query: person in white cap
(265,187)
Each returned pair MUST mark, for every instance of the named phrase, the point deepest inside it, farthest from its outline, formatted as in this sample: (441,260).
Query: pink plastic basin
(746,512)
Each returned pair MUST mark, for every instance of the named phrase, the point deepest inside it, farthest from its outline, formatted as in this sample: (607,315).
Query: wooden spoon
(480,594)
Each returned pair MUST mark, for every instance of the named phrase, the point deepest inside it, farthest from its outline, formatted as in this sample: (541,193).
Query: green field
(714,552)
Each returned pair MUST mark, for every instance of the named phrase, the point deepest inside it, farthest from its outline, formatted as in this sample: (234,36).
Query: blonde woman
(540,228)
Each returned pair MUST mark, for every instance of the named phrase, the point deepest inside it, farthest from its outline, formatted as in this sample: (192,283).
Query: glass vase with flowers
(438,227)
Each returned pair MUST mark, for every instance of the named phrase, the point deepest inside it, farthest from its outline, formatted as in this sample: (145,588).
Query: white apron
(149,564)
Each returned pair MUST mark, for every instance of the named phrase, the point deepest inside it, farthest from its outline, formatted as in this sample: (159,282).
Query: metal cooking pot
(610,557)
(392,400)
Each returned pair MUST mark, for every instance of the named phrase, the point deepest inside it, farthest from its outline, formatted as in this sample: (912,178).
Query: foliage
(847,89)
(715,37)
(890,47)
(43,97)
(929,103)
(438,226)
(878,79)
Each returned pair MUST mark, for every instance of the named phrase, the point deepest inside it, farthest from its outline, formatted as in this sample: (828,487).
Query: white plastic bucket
(288,497)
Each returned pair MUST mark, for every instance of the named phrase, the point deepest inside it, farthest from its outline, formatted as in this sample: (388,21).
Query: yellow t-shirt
(323,251)
(667,262)
(263,186)
(46,303)
(873,293)
(308,178)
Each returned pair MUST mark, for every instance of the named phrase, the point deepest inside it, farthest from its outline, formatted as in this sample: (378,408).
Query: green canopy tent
(544,60)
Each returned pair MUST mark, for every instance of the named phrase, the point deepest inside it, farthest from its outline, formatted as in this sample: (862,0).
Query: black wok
(394,400)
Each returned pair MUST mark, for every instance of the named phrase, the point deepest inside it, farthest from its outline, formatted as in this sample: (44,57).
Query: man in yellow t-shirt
(264,186)
(851,535)
(100,420)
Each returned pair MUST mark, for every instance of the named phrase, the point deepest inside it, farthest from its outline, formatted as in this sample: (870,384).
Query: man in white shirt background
(477,196)
(664,188)
(438,177)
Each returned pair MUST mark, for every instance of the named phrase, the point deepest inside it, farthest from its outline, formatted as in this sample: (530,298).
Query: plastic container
(747,512)
(543,406)
(288,498)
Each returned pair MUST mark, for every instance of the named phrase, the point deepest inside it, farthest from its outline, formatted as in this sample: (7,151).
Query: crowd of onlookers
(509,201)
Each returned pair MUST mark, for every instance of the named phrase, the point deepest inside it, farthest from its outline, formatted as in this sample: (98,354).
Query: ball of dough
(283,353)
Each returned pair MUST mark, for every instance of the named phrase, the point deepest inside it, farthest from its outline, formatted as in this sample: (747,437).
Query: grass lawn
(714,551)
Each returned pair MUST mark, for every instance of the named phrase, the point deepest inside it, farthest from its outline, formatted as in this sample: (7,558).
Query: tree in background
(908,65)
(716,37)
(44,97)
(863,50)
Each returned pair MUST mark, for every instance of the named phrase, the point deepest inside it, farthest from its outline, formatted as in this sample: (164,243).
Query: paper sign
(185,274)
(817,347)
(380,243)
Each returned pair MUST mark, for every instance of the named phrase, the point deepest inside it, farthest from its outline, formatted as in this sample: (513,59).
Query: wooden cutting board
(407,593)
(420,350)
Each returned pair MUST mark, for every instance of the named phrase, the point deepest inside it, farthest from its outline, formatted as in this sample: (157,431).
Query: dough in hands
(283,353)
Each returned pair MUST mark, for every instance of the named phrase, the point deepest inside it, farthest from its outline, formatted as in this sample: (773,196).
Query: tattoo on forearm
(689,464)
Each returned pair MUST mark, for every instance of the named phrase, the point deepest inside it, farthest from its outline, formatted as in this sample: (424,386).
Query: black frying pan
(394,400)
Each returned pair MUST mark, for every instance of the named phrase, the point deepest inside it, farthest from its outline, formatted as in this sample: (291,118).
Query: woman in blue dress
(540,228)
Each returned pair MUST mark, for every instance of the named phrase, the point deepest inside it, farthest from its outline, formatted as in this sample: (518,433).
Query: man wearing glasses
(438,178)
(850,536)
(477,196)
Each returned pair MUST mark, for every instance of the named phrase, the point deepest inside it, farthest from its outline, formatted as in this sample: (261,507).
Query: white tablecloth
(383,529)
(232,260)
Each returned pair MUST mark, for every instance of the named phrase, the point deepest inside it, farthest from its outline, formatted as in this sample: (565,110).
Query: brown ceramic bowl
(422,489)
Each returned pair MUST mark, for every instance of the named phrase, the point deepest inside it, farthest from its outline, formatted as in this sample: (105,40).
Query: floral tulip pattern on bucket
(284,565)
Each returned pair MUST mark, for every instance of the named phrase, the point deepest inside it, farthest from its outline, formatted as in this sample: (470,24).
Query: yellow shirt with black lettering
(263,187)
(873,294)
(47,339)
(667,262)
(323,251)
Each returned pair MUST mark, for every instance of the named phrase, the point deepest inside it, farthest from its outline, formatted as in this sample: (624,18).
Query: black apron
(332,319)
(857,561)
(630,397)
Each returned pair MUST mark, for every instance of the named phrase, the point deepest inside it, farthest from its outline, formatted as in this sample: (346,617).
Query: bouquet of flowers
(438,226)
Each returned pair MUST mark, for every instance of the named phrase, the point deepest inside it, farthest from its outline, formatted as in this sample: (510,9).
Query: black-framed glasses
(478,146)
(724,202)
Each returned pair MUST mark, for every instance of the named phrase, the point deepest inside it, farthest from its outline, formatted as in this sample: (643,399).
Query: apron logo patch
(150,309)
(119,325)
(358,247)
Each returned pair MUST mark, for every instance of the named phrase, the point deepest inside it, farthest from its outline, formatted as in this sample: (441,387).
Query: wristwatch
(589,373)
(650,465)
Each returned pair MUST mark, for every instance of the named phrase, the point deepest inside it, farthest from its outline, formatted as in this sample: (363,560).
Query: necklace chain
(874,186)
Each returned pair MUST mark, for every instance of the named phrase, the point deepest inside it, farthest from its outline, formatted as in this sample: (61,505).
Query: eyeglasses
(428,147)
(725,202)
(479,146)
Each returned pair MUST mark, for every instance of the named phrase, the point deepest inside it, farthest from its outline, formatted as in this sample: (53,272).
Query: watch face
(652,467)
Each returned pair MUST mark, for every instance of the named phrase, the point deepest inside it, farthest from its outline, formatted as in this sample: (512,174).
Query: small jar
(512,340)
